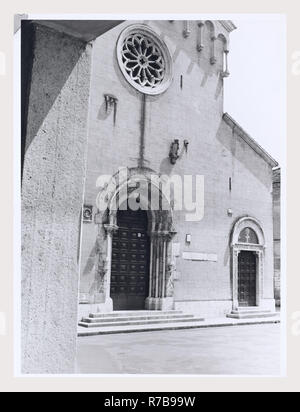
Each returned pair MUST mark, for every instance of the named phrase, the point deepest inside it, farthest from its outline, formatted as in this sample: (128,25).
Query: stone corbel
(200,45)
(236,253)
(259,276)
(111,229)
(111,102)
(172,233)
(186,29)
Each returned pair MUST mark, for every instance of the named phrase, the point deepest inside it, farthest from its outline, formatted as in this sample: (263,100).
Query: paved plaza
(237,350)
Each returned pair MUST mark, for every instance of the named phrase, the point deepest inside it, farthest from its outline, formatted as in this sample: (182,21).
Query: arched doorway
(129,286)
(248,244)
(116,257)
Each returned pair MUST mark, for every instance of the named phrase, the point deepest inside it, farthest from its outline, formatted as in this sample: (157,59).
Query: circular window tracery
(144,59)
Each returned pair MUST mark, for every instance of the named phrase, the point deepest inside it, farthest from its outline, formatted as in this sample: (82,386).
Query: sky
(255,92)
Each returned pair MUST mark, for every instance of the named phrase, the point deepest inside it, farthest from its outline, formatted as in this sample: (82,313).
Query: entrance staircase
(136,321)
(251,313)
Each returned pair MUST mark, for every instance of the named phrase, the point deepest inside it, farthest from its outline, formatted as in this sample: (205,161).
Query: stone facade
(238,178)
(81,120)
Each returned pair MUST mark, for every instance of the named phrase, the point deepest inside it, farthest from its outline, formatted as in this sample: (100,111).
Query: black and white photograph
(151,159)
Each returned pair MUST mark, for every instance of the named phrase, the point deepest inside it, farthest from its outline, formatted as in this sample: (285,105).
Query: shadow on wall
(51,68)
(90,263)
(242,152)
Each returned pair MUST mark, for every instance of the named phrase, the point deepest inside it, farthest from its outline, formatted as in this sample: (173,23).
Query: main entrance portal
(130,261)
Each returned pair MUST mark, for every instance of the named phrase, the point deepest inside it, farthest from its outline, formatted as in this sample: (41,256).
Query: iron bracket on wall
(111,103)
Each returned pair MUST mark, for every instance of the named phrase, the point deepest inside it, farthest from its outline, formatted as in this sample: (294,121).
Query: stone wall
(192,109)
(52,193)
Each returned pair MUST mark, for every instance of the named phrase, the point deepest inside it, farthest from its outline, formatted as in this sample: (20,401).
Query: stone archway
(124,186)
(247,239)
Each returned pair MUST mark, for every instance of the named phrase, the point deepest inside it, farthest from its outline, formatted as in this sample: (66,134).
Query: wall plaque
(201,257)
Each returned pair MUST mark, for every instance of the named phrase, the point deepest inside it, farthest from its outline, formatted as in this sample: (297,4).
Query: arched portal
(248,244)
(137,215)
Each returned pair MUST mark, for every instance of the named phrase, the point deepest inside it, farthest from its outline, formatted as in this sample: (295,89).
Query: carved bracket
(174,152)
(111,103)
(225,73)
(186,29)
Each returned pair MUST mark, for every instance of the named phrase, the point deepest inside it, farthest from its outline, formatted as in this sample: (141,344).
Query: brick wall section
(52,193)
(193,112)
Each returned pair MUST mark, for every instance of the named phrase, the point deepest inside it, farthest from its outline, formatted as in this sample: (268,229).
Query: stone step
(223,322)
(250,312)
(139,328)
(254,315)
(127,313)
(133,318)
(139,322)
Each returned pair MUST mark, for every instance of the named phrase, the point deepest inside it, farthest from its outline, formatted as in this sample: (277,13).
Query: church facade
(138,191)
(156,111)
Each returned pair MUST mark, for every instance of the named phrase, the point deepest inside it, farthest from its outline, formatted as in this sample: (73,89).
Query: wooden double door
(130,261)
(247,271)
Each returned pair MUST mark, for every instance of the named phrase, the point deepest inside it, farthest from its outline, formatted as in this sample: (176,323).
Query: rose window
(144,60)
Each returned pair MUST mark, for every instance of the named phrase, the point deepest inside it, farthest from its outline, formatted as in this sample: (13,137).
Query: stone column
(153,300)
(235,279)
(164,264)
(152,270)
(161,276)
(168,299)
(157,272)
(106,303)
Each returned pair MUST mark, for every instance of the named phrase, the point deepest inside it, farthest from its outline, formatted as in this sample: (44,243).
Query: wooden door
(130,261)
(247,279)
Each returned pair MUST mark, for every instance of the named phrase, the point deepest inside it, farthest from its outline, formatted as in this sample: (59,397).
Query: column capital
(163,234)
(236,251)
(258,252)
(110,229)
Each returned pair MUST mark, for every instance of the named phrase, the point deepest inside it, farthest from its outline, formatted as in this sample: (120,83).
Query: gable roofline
(228,25)
(236,128)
